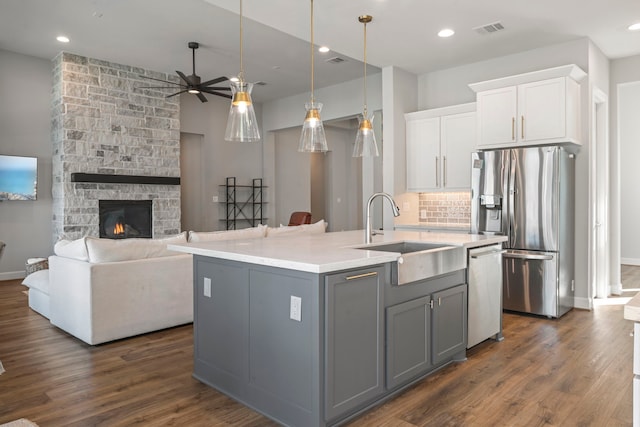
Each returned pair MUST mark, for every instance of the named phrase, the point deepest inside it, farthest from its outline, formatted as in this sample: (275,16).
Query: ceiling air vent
(259,83)
(335,60)
(489,28)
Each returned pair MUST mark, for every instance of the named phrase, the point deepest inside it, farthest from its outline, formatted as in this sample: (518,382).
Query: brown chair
(299,218)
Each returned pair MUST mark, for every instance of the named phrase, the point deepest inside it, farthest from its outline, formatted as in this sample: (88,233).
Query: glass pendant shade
(365,139)
(242,125)
(312,139)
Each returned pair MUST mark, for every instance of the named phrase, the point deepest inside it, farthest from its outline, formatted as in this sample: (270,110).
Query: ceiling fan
(192,83)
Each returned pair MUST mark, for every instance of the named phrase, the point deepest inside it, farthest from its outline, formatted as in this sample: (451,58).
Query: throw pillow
(38,280)
(315,228)
(210,236)
(113,250)
(75,249)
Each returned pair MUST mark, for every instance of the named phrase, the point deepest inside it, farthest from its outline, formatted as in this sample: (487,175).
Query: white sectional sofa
(101,290)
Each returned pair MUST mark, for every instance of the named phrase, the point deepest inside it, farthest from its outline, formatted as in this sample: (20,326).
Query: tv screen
(18,177)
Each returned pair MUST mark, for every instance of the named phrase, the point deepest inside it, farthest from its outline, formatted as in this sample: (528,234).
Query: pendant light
(365,138)
(312,139)
(242,125)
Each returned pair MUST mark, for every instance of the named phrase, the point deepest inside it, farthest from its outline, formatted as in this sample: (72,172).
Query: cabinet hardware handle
(431,304)
(522,126)
(483,254)
(360,276)
(444,171)
(513,128)
(529,256)
(437,180)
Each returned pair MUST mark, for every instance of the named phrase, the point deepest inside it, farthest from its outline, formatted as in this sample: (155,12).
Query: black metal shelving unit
(243,203)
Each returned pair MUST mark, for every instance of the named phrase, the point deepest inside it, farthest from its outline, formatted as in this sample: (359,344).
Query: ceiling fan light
(365,145)
(194,91)
(312,138)
(242,125)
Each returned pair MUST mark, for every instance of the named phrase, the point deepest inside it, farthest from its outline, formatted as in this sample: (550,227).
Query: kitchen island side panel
(248,346)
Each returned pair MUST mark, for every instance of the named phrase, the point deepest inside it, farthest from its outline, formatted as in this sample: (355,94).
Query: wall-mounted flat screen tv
(18,177)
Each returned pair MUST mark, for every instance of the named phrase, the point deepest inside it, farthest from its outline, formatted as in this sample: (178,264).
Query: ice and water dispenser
(487,190)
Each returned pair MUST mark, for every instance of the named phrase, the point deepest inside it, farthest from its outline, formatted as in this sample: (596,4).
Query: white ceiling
(153,34)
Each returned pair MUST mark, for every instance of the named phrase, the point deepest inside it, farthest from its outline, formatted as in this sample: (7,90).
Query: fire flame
(118,229)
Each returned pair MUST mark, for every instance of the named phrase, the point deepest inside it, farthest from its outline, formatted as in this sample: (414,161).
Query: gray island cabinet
(311,332)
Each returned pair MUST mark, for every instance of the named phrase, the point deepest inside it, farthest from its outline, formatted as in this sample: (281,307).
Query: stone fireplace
(112,141)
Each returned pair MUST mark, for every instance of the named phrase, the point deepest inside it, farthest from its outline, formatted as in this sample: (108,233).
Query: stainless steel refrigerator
(527,194)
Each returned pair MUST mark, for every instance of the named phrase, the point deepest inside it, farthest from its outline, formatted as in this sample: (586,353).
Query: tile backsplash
(445,209)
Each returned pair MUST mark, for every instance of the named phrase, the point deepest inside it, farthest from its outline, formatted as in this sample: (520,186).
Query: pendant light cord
(312,97)
(241,74)
(365,70)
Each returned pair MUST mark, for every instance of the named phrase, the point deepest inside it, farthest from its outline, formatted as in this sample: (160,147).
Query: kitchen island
(310,331)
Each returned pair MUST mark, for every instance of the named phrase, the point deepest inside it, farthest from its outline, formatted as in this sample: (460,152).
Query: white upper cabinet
(439,146)
(530,109)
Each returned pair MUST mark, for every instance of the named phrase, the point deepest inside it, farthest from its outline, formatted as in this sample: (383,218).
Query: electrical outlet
(207,287)
(214,199)
(295,308)
(423,214)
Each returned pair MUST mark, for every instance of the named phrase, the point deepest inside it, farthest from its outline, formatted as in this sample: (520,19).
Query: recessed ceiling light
(634,27)
(323,49)
(446,32)
(63,39)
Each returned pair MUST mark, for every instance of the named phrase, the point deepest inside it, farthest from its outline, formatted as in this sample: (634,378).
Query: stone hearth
(103,124)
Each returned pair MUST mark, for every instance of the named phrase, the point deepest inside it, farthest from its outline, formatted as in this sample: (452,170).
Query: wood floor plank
(573,371)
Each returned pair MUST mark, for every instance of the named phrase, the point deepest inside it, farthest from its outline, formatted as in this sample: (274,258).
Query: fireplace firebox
(121,219)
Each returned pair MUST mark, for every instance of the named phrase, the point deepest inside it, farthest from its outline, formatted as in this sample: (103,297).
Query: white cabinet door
(542,110)
(458,140)
(497,116)
(423,153)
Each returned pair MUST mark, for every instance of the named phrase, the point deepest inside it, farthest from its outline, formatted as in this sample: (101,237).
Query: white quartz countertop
(632,309)
(326,252)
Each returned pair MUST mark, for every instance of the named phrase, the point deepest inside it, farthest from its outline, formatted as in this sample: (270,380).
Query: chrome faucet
(394,207)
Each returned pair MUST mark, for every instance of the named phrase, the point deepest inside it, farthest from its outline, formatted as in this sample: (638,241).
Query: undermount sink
(419,261)
(405,247)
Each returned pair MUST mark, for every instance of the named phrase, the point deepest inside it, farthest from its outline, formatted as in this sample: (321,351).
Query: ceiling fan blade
(214,81)
(183,77)
(163,81)
(214,88)
(213,92)
(201,97)
(156,87)
(177,93)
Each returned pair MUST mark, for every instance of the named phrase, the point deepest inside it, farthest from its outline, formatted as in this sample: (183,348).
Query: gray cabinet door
(408,340)
(449,323)
(354,340)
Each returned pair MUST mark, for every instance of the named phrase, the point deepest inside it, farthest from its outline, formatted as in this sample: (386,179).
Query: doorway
(599,194)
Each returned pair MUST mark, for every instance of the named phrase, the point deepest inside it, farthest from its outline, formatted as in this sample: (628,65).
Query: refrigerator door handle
(528,256)
(512,196)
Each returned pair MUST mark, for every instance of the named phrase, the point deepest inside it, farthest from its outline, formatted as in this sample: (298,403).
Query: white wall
(221,158)
(292,190)
(25,103)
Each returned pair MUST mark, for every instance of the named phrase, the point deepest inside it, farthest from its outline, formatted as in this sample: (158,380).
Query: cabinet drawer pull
(513,128)
(360,276)
(522,127)
(444,171)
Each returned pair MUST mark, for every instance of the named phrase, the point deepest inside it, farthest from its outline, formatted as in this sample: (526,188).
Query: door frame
(599,148)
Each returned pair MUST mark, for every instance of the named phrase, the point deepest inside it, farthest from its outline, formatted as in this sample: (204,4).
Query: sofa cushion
(113,250)
(38,280)
(75,249)
(245,233)
(315,228)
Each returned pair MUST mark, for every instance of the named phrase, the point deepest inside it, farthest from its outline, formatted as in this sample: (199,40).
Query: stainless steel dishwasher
(485,294)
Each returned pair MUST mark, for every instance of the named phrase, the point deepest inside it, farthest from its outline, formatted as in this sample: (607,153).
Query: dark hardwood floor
(575,371)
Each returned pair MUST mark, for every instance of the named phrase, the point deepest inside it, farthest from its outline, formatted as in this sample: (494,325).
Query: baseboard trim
(583,303)
(616,289)
(12,275)
(630,261)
